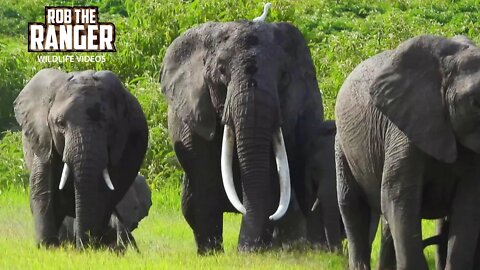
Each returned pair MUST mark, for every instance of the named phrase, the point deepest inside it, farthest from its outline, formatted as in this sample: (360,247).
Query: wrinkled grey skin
(326,227)
(254,77)
(133,207)
(407,146)
(441,240)
(90,121)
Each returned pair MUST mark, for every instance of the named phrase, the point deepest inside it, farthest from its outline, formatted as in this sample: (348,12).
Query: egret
(264,14)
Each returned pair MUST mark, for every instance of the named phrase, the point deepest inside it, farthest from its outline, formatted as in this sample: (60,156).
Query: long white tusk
(264,14)
(226,166)
(315,204)
(65,173)
(283,174)
(108,181)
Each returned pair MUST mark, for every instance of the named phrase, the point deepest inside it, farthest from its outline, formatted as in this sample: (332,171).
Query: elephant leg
(204,217)
(329,205)
(67,231)
(315,229)
(47,220)
(314,219)
(442,231)
(476,262)
(387,259)
(203,197)
(355,213)
(124,237)
(401,193)
(464,225)
(291,227)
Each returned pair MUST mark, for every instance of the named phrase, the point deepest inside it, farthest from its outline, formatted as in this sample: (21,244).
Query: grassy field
(340,35)
(164,239)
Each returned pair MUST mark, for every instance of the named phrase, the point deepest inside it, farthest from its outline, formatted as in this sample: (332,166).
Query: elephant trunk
(254,153)
(88,162)
(256,130)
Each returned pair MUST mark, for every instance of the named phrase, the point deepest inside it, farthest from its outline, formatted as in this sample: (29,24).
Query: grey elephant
(441,240)
(131,209)
(326,227)
(407,147)
(84,138)
(243,102)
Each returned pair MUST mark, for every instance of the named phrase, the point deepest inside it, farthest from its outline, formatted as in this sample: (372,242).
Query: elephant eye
(61,123)
(222,69)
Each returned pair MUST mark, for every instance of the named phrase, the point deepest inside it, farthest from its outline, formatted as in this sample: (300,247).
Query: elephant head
(136,203)
(430,89)
(325,228)
(83,121)
(251,79)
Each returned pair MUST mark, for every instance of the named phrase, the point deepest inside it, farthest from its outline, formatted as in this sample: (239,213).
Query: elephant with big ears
(407,147)
(84,138)
(243,101)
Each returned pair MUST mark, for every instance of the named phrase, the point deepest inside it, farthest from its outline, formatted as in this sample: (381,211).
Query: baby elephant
(324,226)
(133,207)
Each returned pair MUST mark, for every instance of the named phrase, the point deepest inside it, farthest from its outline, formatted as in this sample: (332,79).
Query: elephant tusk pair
(282,168)
(66,172)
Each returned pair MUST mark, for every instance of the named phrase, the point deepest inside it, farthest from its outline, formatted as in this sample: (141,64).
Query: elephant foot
(257,248)
(316,245)
(207,250)
(50,242)
(254,245)
(209,242)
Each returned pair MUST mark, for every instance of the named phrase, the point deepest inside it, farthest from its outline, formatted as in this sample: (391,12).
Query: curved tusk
(315,204)
(226,166)
(283,175)
(63,179)
(108,181)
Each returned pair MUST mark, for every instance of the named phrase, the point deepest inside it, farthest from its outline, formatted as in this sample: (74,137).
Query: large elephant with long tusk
(84,139)
(243,101)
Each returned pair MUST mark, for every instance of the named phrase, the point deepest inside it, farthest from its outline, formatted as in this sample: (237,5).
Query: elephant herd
(246,121)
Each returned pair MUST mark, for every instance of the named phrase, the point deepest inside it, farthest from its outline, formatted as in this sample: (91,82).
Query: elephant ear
(32,107)
(126,113)
(136,203)
(183,81)
(409,91)
(300,97)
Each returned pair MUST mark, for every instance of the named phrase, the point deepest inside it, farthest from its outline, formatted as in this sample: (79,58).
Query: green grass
(340,35)
(164,239)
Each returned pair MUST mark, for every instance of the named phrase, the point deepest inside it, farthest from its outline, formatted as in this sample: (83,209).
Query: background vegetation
(340,35)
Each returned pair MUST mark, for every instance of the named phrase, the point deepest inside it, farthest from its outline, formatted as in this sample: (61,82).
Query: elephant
(321,192)
(131,209)
(441,240)
(84,138)
(243,101)
(407,148)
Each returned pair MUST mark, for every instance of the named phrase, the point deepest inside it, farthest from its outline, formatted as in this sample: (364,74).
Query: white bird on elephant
(262,18)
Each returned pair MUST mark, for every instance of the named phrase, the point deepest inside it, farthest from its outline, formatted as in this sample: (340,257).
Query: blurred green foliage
(340,35)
